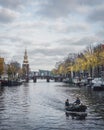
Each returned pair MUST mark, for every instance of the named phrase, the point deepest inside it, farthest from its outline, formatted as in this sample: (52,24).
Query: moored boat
(68,80)
(98,84)
(10,82)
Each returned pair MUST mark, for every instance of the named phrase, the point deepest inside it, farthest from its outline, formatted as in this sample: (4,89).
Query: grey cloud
(3,53)
(73,28)
(100,34)
(7,15)
(86,41)
(61,26)
(56,8)
(50,8)
(81,42)
(44,61)
(90,2)
(77,28)
(10,39)
(48,51)
(62,8)
(97,15)
(29,25)
(12,3)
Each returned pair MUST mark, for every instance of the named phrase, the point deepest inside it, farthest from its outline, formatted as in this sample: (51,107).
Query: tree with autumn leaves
(90,62)
(13,70)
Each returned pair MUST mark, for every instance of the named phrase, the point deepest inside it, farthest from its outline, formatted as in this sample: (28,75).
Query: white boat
(67,80)
(98,84)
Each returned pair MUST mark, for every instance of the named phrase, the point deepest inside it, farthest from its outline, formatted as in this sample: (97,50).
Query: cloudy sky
(48,29)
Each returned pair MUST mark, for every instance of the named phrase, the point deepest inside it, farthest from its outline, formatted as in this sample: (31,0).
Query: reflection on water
(40,106)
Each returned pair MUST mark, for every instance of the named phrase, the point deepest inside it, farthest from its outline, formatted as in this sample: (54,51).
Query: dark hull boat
(76,115)
(76,111)
(76,108)
(10,83)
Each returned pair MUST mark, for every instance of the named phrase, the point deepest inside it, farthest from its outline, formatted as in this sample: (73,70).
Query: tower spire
(25,61)
(25,66)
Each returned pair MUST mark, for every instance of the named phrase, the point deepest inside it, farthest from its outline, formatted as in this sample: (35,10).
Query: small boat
(76,115)
(67,80)
(76,111)
(98,84)
(98,87)
(76,108)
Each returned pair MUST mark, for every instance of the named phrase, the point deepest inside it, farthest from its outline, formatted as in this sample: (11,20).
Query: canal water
(40,106)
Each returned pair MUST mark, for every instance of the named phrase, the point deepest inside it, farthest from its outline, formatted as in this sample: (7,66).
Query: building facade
(1,66)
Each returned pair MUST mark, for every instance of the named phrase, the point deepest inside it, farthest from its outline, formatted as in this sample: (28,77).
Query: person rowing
(76,106)
(77,102)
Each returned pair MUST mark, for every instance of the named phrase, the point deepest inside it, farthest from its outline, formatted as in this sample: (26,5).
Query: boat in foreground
(76,111)
(76,108)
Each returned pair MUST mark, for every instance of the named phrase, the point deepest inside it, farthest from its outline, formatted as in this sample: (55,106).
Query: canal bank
(40,106)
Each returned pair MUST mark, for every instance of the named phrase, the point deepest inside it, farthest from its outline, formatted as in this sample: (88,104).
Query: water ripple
(40,106)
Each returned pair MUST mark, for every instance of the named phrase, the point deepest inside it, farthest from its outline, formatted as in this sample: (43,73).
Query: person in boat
(67,103)
(77,102)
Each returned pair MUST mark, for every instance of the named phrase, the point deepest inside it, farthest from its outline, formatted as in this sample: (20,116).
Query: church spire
(25,65)
(25,61)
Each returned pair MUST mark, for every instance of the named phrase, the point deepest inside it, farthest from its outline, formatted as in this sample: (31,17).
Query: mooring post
(34,79)
(48,80)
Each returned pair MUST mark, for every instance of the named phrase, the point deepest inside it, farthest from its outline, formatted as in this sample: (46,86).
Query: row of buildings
(14,69)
